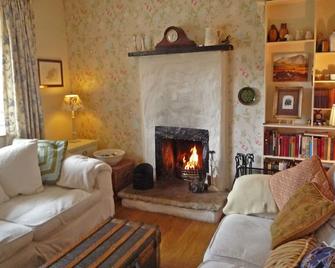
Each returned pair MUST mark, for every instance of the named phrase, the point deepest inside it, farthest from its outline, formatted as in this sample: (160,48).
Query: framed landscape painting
(288,102)
(289,67)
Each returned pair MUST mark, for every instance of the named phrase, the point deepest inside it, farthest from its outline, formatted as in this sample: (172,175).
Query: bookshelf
(318,91)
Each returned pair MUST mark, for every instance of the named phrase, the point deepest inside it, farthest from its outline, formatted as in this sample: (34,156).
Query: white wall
(52,44)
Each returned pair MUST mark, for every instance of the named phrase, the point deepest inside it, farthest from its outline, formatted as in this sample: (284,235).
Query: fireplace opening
(181,153)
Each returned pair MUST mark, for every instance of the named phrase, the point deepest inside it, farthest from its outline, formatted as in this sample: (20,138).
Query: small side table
(122,175)
(82,146)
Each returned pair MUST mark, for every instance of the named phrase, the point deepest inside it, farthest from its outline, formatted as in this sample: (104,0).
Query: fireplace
(181,153)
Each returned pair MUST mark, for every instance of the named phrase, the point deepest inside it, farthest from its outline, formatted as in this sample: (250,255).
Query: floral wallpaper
(100,34)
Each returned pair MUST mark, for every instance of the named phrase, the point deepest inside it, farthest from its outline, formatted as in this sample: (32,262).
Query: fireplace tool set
(199,182)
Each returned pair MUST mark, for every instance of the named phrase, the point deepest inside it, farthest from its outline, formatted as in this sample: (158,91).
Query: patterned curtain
(22,105)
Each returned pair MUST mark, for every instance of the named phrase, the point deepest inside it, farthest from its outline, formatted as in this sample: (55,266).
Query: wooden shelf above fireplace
(180,50)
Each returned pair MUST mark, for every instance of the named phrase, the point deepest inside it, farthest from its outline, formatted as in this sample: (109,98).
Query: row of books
(324,97)
(299,145)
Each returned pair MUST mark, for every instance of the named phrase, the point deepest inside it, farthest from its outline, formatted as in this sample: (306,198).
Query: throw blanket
(80,172)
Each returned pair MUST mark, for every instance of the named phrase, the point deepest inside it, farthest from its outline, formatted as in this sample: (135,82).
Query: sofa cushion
(291,253)
(13,237)
(251,195)
(303,214)
(3,196)
(241,237)
(19,171)
(45,212)
(50,158)
(226,263)
(285,183)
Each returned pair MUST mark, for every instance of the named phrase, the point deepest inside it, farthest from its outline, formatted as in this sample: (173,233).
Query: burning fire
(193,161)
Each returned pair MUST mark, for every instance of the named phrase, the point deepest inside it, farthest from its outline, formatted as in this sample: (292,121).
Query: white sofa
(244,241)
(33,228)
(239,241)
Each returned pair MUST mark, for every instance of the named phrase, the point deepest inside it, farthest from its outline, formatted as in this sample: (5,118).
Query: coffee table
(114,243)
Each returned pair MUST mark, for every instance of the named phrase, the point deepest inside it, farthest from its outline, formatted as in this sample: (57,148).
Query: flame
(194,158)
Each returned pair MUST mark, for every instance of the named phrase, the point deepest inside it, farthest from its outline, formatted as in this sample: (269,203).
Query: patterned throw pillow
(322,256)
(303,214)
(50,158)
(291,253)
(285,183)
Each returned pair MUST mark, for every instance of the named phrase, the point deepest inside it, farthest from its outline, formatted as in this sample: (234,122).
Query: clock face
(246,95)
(172,36)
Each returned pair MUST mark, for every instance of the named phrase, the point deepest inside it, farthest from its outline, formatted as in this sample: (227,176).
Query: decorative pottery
(325,45)
(273,34)
(110,156)
(283,31)
(299,34)
(211,36)
(247,95)
(308,35)
(332,41)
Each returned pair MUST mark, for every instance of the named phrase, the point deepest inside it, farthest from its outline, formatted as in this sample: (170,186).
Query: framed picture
(50,73)
(290,67)
(288,102)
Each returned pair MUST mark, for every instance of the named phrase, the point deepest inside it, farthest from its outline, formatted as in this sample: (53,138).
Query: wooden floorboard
(184,241)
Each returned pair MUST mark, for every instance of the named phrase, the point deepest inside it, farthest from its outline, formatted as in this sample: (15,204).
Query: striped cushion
(303,214)
(285,183)
(291,253)
(50,156)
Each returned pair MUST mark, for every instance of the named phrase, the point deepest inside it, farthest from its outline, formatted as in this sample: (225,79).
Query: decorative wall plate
(247,95)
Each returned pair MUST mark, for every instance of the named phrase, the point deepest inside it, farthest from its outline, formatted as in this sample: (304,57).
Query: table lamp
(73,104)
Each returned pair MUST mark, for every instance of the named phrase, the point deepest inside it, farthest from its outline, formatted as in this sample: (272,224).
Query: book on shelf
(303,145)
(324,97)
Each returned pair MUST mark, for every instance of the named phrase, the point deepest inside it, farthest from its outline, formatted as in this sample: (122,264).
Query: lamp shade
(72,102)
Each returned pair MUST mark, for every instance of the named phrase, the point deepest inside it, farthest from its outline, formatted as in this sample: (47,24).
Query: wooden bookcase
(317,16)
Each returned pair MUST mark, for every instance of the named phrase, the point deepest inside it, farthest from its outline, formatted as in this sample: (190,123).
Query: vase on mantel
(332,42)
(273,34)
(283,31)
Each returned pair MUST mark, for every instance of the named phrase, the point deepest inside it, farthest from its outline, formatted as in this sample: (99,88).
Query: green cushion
(50,158)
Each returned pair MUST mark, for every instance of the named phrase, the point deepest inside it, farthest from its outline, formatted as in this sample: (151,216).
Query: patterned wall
(100,33)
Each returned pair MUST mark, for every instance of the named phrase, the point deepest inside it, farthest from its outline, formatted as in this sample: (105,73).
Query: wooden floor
(184,241)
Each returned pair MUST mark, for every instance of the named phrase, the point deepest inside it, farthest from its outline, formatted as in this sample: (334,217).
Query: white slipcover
(46,211)
(241,237)
(13,237)
(226,263)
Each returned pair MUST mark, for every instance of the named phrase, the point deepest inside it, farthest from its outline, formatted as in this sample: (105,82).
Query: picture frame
(290,67)
(288,103)
(50,73)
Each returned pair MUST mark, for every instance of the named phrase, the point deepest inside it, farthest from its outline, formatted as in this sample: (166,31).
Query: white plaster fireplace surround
(190,91)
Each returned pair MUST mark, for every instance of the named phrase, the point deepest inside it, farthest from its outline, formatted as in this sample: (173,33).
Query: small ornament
(318,118)
(247,95)
(283,31)
(273,34)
